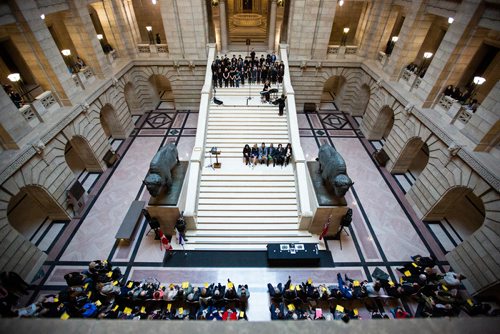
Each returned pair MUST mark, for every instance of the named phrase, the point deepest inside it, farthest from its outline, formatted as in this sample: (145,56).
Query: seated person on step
(254,155)
(263,153)
(247,151)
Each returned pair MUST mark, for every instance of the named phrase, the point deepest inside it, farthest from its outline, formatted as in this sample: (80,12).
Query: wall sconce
(100,37)
(66,52)
(154,2)
(450,20)
(394,39)
(42,16)
(341,3)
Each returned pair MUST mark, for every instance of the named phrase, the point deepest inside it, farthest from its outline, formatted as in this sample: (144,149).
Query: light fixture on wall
(427,55)
(66,52)
(154,2)
(344,36)
(100,37)
(394,39)
(42,16)
(450,20)
(341,3)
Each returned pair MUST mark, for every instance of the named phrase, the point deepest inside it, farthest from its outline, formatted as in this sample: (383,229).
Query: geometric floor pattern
(380,214)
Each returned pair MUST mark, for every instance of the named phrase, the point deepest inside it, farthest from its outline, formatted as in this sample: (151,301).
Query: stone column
(115,28)
(484,126)
(411,37)
(377,24)
(186,27)
(272,26)
(84,37)
(310,27)
(13,126)
(40,50)
(223,25)
(449,51)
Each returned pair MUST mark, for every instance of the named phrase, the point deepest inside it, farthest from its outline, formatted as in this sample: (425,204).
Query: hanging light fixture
(479,80)
(14,77)
(154,2)
(66,52)
(42,16)
(341,3)
(99,37)
(394,39)
(450,20)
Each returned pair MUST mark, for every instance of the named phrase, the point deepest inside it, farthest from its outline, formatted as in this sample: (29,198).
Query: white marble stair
(239,207)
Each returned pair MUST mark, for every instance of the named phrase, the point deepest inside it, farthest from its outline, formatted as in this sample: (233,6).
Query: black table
(292,255)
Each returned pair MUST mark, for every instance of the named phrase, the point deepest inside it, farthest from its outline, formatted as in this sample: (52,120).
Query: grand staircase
(239,207)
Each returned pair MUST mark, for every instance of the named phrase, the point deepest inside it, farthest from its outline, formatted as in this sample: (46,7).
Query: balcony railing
(341,51)
(152,49)
(446,102)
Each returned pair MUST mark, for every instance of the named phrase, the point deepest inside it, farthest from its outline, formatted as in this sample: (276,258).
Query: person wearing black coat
(246,154)
(281,103)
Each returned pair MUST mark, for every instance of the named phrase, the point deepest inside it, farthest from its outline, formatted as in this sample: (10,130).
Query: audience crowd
(437,295)
(464,98)
(231,72)
(100,292)
(266,155)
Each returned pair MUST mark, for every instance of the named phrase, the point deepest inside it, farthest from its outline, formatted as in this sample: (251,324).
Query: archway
(361,101)
(161,90)
(131,99)
(30,211)
(80,156)
(110,123)
(459,211)
(333,89)
(383,123)
(413,158)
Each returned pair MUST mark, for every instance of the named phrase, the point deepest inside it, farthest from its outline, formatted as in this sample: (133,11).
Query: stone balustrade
(340,51)
(197,156)
(45,102)
(446,102)
(30,114)
(149,50)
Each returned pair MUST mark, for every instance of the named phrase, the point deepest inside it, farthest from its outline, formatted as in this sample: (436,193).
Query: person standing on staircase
(281,103)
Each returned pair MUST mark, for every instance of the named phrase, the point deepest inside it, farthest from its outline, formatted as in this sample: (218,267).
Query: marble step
(208,211)
(247,177)
(224,247)
(244,189)
(246,195)
(244,201)
(245,220)
(264,240)
(254,208)
(246,118)
(247,234)
(266,184)
(242,141)
(246,227)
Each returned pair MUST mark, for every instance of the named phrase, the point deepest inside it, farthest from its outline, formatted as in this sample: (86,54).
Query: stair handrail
(198,154)
(304,202)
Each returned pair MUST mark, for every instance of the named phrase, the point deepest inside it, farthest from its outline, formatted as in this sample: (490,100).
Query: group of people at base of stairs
(230,72)
(266,155)
(438,295)
(102,292)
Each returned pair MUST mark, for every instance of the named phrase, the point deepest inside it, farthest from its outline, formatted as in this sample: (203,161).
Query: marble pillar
(223,25)
(84,38)
(272,26)
(450,50)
